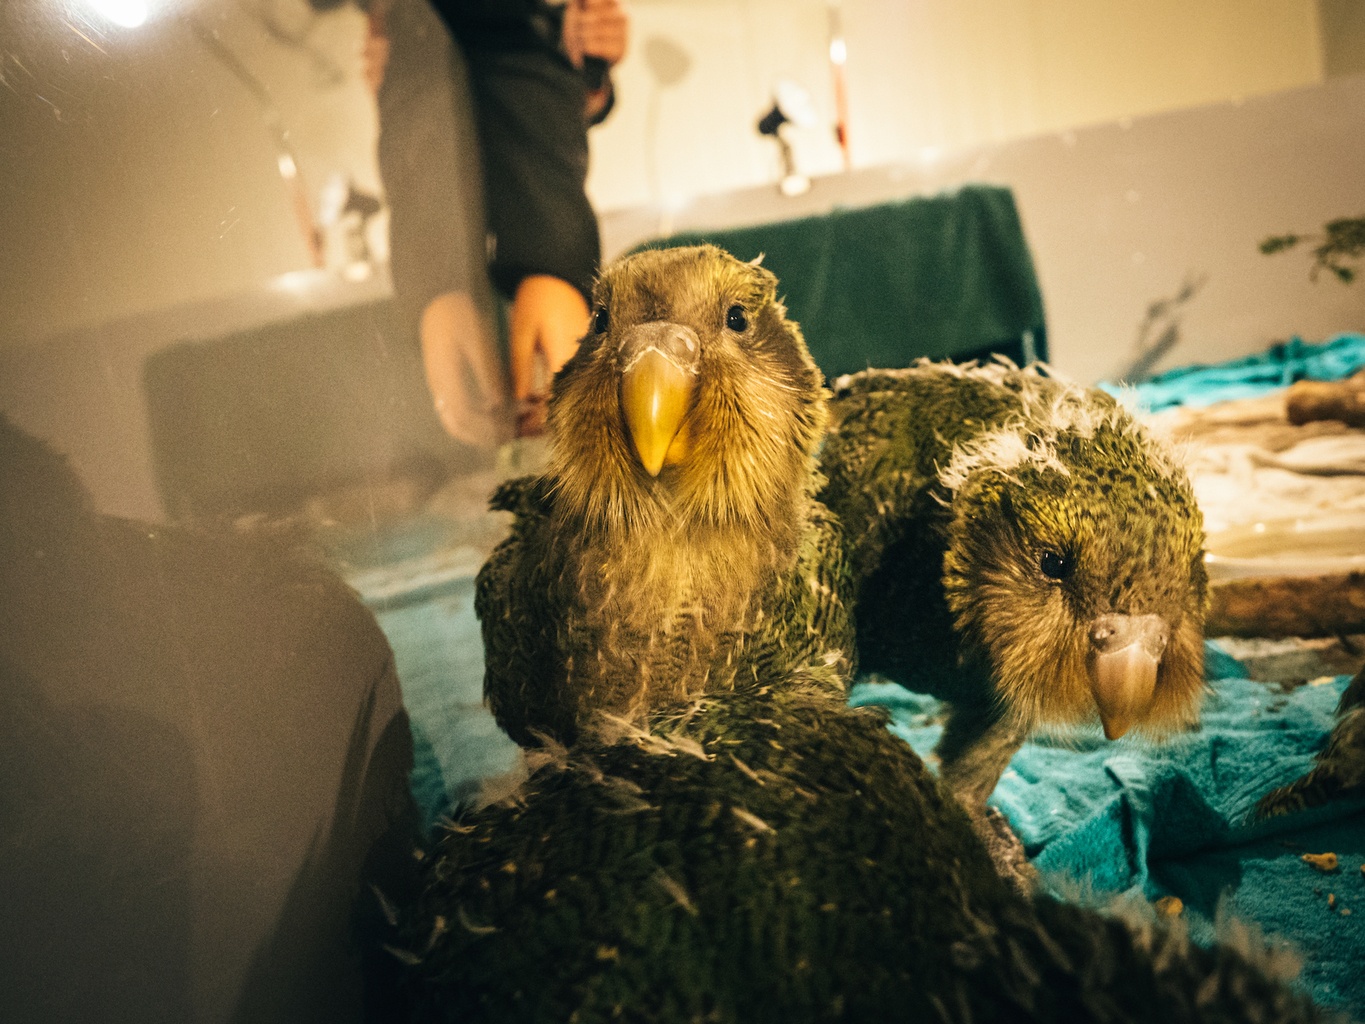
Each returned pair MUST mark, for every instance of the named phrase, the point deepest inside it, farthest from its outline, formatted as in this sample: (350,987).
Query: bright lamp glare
(838,52)
(128,13)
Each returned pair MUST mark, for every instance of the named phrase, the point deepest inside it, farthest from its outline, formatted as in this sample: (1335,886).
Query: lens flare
(127,13)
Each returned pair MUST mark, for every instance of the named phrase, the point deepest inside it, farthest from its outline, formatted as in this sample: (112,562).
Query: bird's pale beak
(658,378)
(1125,654)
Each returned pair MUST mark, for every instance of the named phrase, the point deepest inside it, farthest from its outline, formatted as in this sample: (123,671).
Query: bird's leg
(976,747)
(1005,849)
(975,750)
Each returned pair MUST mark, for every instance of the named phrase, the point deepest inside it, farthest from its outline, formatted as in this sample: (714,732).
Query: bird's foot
(1006,850)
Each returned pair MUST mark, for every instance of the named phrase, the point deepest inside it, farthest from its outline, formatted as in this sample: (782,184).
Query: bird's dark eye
(1054,566)
(736,319)
(601,321)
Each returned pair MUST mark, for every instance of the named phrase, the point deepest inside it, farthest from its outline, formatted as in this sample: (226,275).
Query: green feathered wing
(892,432)
(1338,769)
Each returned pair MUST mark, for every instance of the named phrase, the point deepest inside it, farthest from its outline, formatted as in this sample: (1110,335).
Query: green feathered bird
(1021,548)
(673,546)
(767,854)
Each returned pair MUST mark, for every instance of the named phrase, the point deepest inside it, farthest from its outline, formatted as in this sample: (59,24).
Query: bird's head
(691,400)
(1075,566)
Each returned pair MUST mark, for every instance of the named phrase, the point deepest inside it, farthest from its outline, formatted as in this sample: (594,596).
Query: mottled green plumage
(960,489)
(1338,769)
(773,856)
(617,590)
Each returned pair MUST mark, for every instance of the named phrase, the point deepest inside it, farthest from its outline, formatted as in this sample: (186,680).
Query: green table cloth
(946,276)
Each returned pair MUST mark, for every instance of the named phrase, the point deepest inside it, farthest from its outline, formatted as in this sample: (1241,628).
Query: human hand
(595,28)
(549,316)
(374,55)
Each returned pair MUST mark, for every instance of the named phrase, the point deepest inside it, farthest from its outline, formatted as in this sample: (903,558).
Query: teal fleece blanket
(1277,367)
(1174,819)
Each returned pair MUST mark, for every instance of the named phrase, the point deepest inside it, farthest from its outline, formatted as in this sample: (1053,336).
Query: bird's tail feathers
(1242,976)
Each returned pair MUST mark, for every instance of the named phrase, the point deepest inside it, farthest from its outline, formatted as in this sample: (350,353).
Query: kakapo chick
(1021,548)
(768,854)
(673,545)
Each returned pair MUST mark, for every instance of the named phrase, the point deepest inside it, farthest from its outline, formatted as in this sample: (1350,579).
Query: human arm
(528,104)
(596,30)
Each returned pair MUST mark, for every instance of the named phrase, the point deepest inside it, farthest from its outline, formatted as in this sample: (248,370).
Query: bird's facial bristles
(1180,686)
(1049,534)
(1032,640)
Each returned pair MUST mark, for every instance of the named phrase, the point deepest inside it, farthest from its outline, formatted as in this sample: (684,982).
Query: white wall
(945,74)
(1118,215)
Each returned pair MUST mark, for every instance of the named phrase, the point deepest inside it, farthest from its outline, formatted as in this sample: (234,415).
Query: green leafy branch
(1342,242)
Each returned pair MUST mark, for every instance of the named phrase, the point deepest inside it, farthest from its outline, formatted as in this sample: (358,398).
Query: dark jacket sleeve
(528,102)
